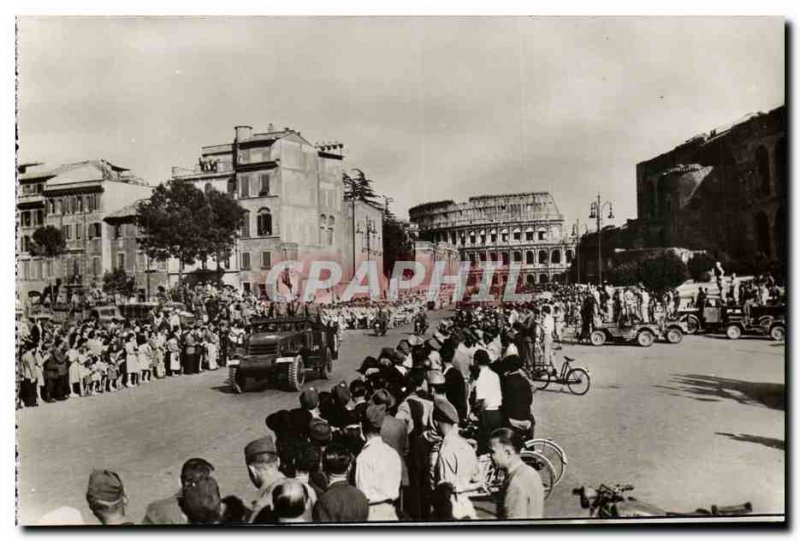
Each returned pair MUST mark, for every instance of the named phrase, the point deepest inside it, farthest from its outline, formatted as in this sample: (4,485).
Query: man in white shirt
(548,326)
(379,470)
(488,399)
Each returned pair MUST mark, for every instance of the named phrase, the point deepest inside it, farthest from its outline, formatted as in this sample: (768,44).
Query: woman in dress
(211,347)
(158,344)
(190,353)
(131,361)
(145,356)
(74,372)
(174,354)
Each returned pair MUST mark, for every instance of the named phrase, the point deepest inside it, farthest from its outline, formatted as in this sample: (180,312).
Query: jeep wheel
(674,335)
(645,338)
(733,332)
(296,375)
(326,365)
(778,332)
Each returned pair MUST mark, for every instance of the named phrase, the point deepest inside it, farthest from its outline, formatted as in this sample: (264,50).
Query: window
(266,260)
(68,232)
(25,270)
(78,231)
(556,257)
(529,235)
(518,257)
(96,267)
(117,231)
(542,235)
(569,256)
(244,186)
(517,235)
(37,270)
(542,257)
(472,237)
(227,263)
(529,258)
(493,236)
(26,243)
(331,224)
(244,156)
(98,230)
(246,260)
(121,261)
(246,225)
(79,203)
(504,235)
(232,188)
(504,256)
(482,256)
(246,287)
(264,223)
(26,219)
(38,217)
(58,206)
(263,184)
(323,222)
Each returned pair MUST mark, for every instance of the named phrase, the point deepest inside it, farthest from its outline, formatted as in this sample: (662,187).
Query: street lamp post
(596,211)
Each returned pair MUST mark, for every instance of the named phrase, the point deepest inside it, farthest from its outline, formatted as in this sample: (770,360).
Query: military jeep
(283,351)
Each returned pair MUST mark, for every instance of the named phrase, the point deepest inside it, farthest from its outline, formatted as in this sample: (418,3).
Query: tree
(49,242)
(663,271)
(183,222)
(227,218)
(117,281)
(358,187)
(397,245)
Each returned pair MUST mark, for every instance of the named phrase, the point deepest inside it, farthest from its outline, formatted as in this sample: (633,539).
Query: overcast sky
(429,108)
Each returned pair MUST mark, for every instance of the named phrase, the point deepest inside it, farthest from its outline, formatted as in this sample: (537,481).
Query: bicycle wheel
(578,381)
(552,452)
(543,467)
(541,379)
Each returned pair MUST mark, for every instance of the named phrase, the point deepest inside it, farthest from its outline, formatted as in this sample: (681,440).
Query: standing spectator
(522,494)
(29,382)
(190,361)
(263,467)
(173,355)
(131,361)
(488,398)
(341,502)
(456,462)
(378,468)
(290,501)
(518,398)
(454,384)
(201,503)
(168,510)
(106,498)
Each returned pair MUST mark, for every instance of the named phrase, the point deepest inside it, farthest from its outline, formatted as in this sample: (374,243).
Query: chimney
(243,132)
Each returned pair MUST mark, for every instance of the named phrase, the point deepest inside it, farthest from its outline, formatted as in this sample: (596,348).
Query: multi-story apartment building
(292,193)
(74,197)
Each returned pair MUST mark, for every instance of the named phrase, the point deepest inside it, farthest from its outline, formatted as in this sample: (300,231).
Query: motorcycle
(380,327)
(611,502)
(420,326)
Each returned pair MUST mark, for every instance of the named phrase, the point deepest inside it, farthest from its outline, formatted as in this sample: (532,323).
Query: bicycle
(577,380)
(543,455)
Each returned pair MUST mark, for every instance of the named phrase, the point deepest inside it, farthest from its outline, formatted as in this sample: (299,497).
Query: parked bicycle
(543,455)
(577,380)
(611,502)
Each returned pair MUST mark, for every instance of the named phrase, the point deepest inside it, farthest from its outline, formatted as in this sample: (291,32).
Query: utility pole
(596,210)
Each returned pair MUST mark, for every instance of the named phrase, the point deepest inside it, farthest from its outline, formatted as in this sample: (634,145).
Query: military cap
(374,416)
(309,398)
(383,397)
(444,411)
(104,485)
(260,447)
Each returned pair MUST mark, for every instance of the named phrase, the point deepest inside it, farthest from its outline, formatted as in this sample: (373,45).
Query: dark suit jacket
(456,391)
(517,397)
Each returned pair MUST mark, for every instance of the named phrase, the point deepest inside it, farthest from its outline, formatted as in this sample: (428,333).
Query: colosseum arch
(529,257)
(543,279)
(555,257)
(542,257)
(569,256)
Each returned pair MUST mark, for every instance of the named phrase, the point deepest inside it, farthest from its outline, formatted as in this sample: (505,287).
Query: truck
(283,351)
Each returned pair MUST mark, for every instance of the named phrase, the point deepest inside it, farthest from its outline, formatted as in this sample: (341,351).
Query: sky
(430,108)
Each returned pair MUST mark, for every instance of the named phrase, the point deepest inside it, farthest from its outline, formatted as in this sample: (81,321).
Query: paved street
(689,425)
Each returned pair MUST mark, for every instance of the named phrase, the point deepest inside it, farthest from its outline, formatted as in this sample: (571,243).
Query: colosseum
(525,228)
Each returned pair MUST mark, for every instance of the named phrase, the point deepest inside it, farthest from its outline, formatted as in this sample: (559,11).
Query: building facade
(292,193)
(76,198)
(524,228)
(721,191)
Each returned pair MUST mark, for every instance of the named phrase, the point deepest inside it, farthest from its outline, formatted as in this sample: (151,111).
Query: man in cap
(456,462)
(263,467)
(107,499)
(434,359)
(379,470)
(404,349)
(168,510)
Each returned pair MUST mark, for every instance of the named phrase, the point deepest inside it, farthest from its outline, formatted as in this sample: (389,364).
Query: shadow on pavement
(711,388)
(769,442)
